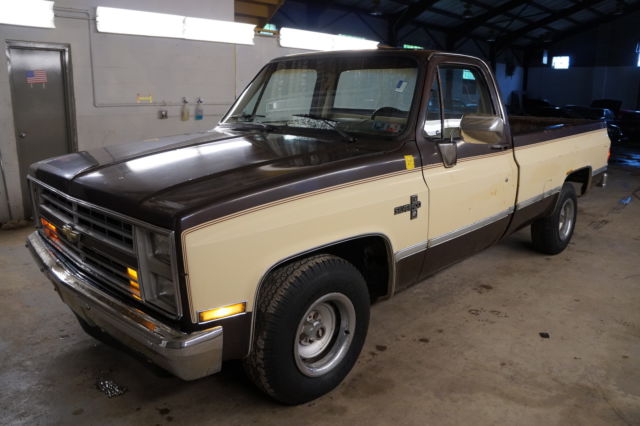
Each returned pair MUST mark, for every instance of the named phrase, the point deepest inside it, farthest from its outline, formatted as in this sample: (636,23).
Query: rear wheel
(311,322)
(551,235)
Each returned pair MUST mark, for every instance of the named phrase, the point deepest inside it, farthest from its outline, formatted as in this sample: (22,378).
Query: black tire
(551,234)
(286,327)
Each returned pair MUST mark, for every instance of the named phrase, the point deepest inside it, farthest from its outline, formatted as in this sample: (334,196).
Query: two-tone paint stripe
(444,238)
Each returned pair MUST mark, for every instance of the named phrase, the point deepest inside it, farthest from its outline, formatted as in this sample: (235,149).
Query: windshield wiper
(246,117)
(331,123)
(248,125)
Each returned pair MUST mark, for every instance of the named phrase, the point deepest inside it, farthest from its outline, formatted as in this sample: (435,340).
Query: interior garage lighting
(221,31)
(300,39)
(136,22)
(560,62)
(28,13)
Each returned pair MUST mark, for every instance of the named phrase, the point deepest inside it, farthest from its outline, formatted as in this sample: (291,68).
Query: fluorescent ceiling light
(221,31)
(135,22)
(28,13)
(300,39)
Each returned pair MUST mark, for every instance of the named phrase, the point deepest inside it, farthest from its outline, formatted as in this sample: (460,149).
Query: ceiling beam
(589,25)
(548,10)
(411,12)
(508,15)
(412,22)
(438,11)
(468,26)
(257,12)
(591,9)
(556,16)
(449,14)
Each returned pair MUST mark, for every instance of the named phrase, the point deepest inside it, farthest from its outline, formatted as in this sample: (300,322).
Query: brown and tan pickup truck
(334,180)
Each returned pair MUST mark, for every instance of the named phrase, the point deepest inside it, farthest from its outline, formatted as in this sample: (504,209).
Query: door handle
(22,135)
(500,147)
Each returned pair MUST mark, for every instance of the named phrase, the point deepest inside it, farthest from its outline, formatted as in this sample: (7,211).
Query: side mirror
(486,129)
(448,152)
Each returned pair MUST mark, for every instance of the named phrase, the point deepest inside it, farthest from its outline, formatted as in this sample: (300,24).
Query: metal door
(41,99)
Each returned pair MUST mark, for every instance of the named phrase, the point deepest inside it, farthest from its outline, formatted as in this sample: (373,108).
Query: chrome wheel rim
(565,222)
(324,334)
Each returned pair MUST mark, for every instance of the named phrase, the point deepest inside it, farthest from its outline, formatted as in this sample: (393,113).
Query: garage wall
(603,65)
(581,85)
(110,70)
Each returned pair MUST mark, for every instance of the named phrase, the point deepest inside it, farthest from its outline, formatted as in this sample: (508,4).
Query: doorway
(42,99)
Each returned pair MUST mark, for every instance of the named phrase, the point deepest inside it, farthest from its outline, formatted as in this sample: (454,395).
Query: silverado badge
(413,206)
(71,234)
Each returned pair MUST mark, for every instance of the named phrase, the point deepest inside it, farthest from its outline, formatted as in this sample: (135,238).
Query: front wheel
(551,235)
(312,318)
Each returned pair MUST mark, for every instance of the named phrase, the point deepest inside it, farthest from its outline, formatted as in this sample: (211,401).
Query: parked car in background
(541,108)
(616,135)
(612,104)
(629,121)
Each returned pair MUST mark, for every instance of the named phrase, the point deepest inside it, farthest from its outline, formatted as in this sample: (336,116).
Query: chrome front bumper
(188,356)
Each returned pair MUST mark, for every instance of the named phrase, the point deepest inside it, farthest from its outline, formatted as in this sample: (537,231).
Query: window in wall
(268,30)
(545,57)
(412,46)
(560,62)
(467,75)
(638,62)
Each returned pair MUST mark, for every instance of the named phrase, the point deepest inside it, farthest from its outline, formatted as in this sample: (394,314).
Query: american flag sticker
(37,77)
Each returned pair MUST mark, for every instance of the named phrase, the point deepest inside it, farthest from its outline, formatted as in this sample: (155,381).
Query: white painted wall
(123,66)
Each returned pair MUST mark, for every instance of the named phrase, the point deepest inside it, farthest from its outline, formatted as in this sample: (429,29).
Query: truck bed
(527,130)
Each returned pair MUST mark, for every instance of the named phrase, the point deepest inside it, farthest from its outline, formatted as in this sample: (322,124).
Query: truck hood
(161,180)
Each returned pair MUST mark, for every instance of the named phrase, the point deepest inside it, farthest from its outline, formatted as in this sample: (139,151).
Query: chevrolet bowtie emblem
(71,234)
(413,206)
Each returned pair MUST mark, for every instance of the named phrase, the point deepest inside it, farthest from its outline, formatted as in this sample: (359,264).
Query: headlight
(160,247)
(158,270)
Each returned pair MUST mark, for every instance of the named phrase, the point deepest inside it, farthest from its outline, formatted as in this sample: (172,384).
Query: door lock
(22,135)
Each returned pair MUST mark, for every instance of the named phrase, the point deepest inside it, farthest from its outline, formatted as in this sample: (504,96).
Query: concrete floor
(461,348)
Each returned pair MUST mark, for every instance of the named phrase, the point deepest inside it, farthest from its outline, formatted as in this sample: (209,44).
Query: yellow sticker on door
(409,162)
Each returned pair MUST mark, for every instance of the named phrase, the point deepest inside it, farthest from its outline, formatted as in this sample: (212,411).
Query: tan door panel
(475,190)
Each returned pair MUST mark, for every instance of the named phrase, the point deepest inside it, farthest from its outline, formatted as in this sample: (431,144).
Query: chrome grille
(99,265)
(108,269)
(88,219)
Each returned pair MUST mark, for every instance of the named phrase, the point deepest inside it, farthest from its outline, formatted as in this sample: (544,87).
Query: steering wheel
(388,110)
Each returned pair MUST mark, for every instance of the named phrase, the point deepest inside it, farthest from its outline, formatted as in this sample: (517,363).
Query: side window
(433,124)
(464,91)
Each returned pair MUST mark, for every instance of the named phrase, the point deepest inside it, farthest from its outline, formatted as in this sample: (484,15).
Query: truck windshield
(363,94)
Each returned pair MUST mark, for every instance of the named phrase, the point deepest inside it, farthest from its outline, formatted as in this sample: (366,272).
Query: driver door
(471,199)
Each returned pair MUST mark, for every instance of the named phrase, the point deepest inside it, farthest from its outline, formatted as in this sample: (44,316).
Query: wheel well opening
(370,255)
(583,177)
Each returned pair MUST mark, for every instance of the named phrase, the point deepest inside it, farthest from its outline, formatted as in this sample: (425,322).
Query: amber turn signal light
(223,312)
(47,224)
(132,273)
